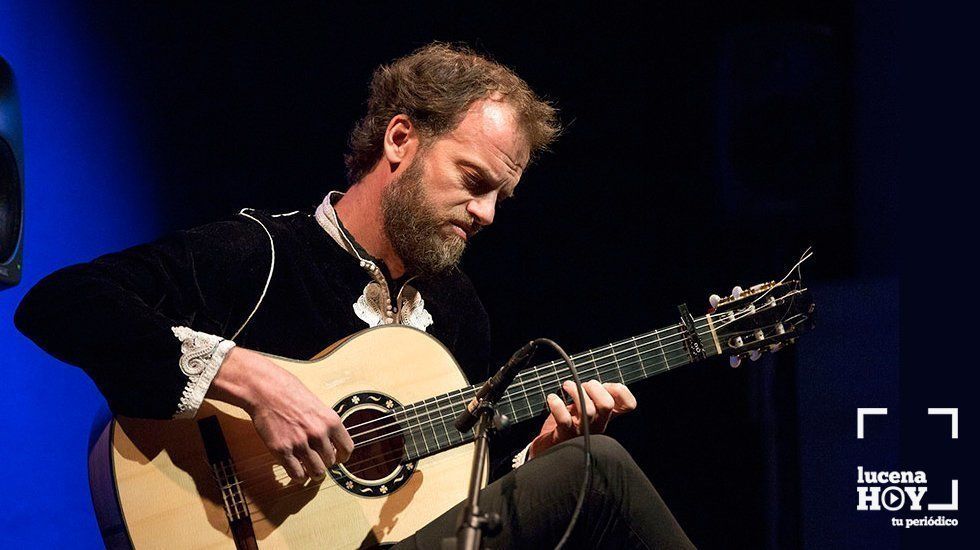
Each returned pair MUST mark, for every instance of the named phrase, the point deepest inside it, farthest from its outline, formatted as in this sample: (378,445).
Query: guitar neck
(429,424)
(625,362)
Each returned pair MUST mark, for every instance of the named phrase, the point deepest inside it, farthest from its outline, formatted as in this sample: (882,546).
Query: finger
(342,442)
(625,401)
(323,447)
(571,389)
(314,463)
(562,416)
(603,401)
(604,404)
(293,466)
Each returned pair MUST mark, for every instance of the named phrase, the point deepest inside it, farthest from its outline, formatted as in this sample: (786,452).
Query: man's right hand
(304,434)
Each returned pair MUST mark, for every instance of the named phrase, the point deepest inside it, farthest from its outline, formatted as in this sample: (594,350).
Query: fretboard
(428,425)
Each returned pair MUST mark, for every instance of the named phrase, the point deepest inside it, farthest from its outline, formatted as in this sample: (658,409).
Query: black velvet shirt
(112,317)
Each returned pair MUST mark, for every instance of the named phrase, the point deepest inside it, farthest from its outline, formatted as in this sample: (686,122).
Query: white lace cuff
(521,457)
(201,357)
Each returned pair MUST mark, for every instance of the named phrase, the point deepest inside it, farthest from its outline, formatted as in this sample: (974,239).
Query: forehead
(490,131)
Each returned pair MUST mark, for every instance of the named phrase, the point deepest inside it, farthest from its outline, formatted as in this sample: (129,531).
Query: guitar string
(252,482)
(550,380)
(416,411)
(597,367)
(600,370)
(677,344)
(452,399)
(526,377)
(332,484)
(520,389)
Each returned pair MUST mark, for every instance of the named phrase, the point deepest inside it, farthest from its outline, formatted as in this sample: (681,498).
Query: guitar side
(154,485)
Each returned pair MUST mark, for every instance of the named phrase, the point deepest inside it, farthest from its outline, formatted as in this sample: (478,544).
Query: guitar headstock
(765,317)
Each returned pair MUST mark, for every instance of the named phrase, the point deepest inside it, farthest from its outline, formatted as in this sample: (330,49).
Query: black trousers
(536,501)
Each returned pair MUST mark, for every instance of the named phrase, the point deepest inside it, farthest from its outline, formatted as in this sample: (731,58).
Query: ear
(401,139)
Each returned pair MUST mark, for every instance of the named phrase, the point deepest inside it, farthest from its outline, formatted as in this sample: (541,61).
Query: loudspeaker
(11,180)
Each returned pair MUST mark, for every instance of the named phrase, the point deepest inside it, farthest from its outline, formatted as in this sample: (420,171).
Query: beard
(414,228)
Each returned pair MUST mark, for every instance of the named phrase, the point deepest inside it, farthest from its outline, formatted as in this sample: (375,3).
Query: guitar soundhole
(377,466)
(379,445)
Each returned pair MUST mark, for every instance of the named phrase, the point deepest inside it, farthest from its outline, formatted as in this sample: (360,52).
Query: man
(447,136)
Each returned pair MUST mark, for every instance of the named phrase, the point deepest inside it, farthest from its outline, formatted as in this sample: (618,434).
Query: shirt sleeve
(151,324)
(201,356)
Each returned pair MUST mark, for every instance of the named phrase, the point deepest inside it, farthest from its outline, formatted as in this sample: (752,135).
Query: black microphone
(495,387)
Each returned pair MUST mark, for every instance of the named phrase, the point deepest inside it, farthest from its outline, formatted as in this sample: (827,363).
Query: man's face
(451,187)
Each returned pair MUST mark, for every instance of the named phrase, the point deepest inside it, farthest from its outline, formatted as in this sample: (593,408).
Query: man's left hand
(603,402)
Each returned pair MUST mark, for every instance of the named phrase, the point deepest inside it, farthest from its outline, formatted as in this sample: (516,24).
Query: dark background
(707,145)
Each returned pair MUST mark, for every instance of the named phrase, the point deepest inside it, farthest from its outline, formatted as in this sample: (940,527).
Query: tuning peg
(714,300)
(736,292)
(755,355)
(776,347)
(734,361)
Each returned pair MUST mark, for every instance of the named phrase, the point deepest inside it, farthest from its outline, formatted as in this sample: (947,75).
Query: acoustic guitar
(210,482)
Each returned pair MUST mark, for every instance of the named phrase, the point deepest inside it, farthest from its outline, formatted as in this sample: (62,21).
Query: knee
(613,462)
(609,459)
(606,449)
(602,448)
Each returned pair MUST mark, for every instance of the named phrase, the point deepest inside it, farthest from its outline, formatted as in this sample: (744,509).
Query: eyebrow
(486,176)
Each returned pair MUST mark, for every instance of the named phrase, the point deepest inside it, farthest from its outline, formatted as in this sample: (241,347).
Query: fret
(639,357)
(440,413)
(506,407)
(418,419)
(662,352)
(456,404)
(432,421)
(408,430)
(523,390)
(619,371)
(517,410)
(595,365)
(462,398)
(554,369)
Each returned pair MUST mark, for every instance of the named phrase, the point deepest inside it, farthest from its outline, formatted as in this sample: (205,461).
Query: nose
(482,208)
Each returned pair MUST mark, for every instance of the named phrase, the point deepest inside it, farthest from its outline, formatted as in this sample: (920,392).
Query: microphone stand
(475,522)
(481,415)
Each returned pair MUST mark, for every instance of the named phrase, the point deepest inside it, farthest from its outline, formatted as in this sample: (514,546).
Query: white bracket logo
(867,411)
(954,419)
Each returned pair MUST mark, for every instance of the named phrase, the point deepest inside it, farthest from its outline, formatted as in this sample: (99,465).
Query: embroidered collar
(375,305)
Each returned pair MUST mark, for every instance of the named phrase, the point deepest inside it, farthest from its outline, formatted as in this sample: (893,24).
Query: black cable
(583,414)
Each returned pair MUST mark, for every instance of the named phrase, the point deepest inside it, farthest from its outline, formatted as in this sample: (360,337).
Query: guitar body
(158,484)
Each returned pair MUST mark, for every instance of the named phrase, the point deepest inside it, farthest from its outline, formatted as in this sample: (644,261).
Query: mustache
(471,227)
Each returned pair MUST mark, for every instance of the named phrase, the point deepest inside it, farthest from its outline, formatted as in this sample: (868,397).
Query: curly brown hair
(435,86)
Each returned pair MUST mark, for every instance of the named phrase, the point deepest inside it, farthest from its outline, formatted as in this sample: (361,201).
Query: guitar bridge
(219,458)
